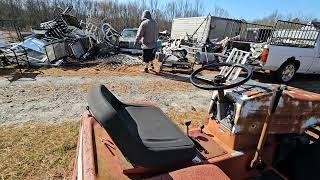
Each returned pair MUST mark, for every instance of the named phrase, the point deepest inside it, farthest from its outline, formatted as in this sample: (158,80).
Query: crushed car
(54,41)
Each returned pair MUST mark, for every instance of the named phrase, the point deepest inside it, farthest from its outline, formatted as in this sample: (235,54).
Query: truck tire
(286,72)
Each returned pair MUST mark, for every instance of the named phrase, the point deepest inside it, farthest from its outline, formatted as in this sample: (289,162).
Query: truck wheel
(286,72)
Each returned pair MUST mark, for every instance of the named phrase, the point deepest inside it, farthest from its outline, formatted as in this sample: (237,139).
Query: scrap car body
(128,39)
(64,37)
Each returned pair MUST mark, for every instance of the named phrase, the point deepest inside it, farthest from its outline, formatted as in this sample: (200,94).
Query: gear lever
(201,128)
(187,123)
(219,80)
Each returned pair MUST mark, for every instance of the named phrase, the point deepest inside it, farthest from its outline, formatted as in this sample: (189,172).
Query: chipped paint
(79,158)
(294,107)
(237,153)
(280,104)
(236,129)
(310,122)
(196,160)
(251,106)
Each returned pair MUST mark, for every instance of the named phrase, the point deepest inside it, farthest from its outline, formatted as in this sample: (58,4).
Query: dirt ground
(58,94)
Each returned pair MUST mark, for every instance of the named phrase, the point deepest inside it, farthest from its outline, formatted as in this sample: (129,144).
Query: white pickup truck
(290,52)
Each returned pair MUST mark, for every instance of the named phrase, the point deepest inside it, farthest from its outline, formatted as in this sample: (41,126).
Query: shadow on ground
(25,73)
(14,74)
(308,82)
(175,76)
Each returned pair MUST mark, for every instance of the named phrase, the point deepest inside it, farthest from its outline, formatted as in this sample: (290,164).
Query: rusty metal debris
(63,38)
(205,40)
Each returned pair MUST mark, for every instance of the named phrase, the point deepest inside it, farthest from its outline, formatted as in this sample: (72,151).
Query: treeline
(118,14)
(275,15)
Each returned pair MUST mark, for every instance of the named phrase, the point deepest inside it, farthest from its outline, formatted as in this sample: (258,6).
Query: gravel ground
(57,99)
(52,99)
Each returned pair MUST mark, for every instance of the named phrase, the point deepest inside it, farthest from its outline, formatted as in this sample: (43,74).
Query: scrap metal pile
(63,39)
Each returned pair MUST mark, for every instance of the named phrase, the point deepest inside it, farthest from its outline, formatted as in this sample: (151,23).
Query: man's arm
(140,33)
(157,31)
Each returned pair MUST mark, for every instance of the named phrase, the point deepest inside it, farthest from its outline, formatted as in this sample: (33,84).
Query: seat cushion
(143,133)
(154,129)
(148,138)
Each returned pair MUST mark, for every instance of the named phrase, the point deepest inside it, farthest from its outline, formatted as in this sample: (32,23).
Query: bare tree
(220,12)
(198,7)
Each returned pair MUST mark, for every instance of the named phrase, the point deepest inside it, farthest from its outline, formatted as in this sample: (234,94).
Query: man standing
(148,35)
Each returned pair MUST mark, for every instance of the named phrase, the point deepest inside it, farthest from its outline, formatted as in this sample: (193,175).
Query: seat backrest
(236,57)
(104,105)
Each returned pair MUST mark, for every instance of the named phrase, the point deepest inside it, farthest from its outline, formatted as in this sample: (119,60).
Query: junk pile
(174,57)
(200,43)
(120,60)
(63,38)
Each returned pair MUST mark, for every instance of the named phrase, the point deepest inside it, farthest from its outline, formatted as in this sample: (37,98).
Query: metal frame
(294,34)
(54,51)
(236,57)
(262,34)
(11,53)
(165,63)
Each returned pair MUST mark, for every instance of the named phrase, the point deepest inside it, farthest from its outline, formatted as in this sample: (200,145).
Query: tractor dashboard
(234,100)
(246,107)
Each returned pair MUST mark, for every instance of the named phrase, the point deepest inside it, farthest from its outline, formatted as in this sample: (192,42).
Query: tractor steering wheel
(219,81)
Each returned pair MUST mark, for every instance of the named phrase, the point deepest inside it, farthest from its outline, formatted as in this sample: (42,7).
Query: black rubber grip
(276,98)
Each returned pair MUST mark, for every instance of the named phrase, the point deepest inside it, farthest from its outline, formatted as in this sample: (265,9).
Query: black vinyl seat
(143,133)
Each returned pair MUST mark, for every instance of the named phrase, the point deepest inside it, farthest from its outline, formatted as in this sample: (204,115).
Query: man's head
(146,15)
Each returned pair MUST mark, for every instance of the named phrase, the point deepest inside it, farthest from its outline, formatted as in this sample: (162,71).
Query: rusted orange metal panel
(204,172)
(296,111)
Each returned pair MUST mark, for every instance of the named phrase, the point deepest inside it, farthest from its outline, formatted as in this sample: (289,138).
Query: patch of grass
(38,151)
(47,151)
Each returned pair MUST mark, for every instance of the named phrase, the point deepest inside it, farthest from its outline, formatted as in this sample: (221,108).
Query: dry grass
(38,151)
(166,85)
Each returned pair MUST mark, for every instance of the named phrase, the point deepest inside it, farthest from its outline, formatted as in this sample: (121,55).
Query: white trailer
(205,27)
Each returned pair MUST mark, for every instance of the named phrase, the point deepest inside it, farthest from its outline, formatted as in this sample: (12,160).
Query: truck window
(129,33)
